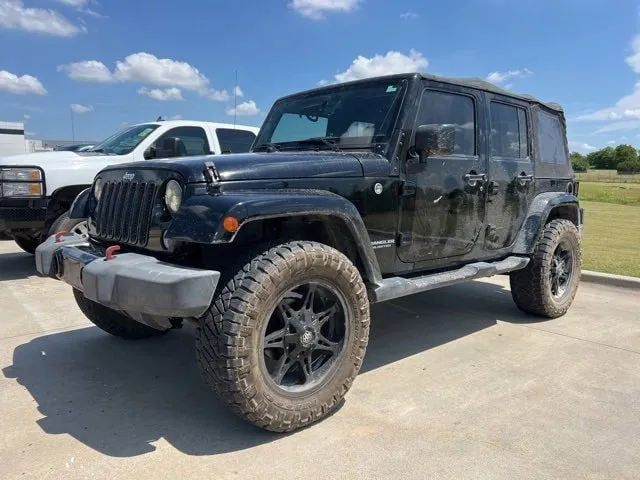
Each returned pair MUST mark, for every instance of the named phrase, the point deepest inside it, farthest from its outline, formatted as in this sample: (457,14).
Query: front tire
(28,244)
(113,322)
(70,225)
(286,336)
(548,285)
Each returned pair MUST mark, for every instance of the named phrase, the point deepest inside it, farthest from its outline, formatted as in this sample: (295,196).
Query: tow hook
(110,251)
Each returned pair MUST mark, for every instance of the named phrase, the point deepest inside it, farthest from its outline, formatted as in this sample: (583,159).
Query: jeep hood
(260,166)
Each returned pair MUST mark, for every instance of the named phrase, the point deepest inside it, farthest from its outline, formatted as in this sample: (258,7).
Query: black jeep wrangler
(352,194)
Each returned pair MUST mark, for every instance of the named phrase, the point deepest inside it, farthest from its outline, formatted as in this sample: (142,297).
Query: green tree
(603,159)
(626,154)
(579,162)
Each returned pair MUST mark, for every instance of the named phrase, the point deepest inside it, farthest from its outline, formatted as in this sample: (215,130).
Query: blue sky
(120,61)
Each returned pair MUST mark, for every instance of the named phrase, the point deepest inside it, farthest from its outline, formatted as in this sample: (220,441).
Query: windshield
(124,141)
(355,116)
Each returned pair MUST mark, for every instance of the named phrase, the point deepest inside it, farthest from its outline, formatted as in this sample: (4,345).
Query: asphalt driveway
(457,384)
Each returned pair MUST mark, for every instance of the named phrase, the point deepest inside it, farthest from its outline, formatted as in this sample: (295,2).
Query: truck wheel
(28,244)
(548,285)
(72,225)
(113,322)
(286,335)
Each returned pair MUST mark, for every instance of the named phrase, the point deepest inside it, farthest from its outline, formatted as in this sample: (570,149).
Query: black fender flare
(200,218)
(79,207)
(540,210)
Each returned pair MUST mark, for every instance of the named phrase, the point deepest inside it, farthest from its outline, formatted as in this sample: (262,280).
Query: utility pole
(73,130)
(235,100)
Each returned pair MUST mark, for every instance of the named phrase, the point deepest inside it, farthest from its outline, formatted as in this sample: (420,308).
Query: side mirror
(434,140)
(149,153)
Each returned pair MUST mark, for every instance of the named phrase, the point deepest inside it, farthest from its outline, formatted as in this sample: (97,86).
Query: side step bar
(396,287)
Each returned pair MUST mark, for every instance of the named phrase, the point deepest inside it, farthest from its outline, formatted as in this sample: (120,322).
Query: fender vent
(124,212)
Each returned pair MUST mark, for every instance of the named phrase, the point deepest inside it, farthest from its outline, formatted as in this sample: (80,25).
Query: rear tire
(548,285)
(113,322)
(285,375)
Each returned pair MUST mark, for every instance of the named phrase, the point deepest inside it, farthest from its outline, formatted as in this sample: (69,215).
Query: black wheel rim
(561,271)
(303,340)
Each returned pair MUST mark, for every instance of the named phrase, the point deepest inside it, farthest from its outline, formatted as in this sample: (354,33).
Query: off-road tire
(28,244)
(530,287)
(65,224)
(229,334)
(114,322)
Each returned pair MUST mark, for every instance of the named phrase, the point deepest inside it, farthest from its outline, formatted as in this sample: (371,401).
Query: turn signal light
(230,224)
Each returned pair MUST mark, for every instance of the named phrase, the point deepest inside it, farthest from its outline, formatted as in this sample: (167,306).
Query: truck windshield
(353,116)
(124,141)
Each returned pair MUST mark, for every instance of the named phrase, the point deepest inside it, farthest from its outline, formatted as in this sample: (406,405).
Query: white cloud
(24,85)
(77,108)
(29,134)
(143,67)
(14,15)
(87,71)
(146,68)
(177,117)
(390,63)
(26,116)
(316,9)
(165,94)
(323,82)
(238,92)
(626,126)
(74,3)
(611,142)
(499,77)
(245,108)
(634,60)
(409,16)
(581,147)
(216,95)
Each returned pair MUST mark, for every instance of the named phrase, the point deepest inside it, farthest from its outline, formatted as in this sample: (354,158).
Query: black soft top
(476,83)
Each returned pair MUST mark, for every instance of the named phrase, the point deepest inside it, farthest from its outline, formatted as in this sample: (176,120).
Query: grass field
(612,238)
(620,193)
(607,176)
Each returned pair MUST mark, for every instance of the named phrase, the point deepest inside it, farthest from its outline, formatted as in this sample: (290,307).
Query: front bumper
(128,282)
(18,214)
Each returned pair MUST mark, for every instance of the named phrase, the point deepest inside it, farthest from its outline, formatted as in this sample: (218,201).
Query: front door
(511,175)
(443,200)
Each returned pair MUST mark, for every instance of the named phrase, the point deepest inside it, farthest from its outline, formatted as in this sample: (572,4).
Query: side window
(235,141)
(551,139)
(454,111)
(182,142)
(508,131)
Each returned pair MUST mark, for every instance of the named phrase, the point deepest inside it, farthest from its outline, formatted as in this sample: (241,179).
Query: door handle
(473,178)
(524,179)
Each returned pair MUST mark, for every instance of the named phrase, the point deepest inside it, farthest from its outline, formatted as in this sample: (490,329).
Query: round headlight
(97,188)
(173,196)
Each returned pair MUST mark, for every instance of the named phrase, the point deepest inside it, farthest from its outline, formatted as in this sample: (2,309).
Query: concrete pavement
(457,384)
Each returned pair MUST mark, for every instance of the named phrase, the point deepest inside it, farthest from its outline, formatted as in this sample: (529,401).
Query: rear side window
(191,141)
(508,131)
(453,110)
(551,139)
(235,141)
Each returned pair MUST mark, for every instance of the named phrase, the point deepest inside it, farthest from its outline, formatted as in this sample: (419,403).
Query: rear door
(511,174)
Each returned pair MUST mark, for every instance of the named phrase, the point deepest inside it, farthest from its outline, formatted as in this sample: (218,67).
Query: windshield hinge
(407,189)
(211,174)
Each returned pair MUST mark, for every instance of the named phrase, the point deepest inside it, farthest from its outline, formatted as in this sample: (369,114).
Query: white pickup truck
(37,189)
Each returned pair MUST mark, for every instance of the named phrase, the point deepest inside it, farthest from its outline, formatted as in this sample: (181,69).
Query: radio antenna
(235,100)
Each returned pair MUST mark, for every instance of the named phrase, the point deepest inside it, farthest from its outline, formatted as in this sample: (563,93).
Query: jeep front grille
(124,212)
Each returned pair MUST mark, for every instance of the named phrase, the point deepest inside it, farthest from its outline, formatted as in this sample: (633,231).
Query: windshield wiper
(328,141)
(269,147)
